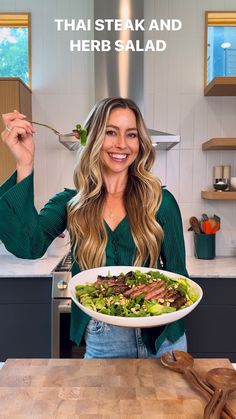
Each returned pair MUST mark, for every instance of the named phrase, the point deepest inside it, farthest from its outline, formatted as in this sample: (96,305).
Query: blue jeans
(107,341)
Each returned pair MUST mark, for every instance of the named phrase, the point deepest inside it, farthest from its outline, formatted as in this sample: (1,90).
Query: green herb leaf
(83,137)
(83,134)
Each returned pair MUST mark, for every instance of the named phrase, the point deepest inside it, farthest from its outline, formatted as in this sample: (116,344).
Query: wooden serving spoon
(223,380)
(182,362)
(195,226)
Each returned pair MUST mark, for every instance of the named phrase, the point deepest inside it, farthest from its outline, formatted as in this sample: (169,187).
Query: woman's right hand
(18,137)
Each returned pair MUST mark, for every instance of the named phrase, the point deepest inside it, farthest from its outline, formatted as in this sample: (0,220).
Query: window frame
(19,19)
(215,18)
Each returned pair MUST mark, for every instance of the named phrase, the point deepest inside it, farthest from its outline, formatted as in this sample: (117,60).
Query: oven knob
(62,285)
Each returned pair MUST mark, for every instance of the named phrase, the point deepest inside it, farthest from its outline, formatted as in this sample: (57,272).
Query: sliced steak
(120,289)
(180,301)
(137,290)
(146,289)
(172,294)
(155,290)
(110,281)
(155,293)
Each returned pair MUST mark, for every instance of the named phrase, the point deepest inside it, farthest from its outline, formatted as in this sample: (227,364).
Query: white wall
(63,93)
(174,102)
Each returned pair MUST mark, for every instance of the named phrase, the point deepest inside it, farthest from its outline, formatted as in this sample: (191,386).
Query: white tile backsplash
(159,168)
(186,176)
(199,174)
(187,103)
(230,4)
(160,106)
(214,117)
(173,167)
(227,158)
(228,116)
(174,112)
(200,121)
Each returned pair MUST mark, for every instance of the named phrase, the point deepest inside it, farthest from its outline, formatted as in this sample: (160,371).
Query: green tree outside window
(14,53)
(15,46)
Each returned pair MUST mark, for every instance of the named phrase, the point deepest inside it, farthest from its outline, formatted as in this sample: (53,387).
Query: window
(15,46)
(220,48)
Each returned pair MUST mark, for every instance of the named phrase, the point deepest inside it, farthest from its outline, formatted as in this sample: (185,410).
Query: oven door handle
(64,306)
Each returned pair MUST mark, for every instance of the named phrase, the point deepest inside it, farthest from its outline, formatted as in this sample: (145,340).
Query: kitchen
(63,93)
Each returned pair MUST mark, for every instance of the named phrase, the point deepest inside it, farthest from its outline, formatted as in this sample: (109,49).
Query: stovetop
(65,264)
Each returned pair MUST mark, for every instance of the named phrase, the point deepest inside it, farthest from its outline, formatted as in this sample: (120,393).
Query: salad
(136,294)
(80,133)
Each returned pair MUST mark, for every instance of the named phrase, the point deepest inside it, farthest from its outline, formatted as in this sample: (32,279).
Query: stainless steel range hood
(163,140)
(122,73)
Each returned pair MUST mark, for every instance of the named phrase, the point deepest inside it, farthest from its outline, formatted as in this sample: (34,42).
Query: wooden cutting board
(100,389)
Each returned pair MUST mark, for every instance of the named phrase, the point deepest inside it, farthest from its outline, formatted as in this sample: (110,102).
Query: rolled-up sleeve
(25,232)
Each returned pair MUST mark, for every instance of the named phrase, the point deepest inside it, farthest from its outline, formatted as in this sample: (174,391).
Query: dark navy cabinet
(25,317)
(210,328)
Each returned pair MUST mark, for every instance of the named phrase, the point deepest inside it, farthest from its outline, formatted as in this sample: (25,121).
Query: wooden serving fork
(182,362)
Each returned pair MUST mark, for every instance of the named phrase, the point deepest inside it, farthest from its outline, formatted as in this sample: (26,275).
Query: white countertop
(220,267)
(12,266)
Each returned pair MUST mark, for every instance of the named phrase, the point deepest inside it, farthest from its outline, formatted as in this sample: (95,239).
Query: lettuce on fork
(80,133)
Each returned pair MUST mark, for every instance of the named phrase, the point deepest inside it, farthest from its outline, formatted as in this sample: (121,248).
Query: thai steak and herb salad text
(136,294)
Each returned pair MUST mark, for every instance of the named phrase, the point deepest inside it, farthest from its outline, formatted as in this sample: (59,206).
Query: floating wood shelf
(221,86)
(220,144)
(216,195)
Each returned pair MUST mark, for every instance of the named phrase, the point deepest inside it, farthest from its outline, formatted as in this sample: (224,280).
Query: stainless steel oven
(62,346)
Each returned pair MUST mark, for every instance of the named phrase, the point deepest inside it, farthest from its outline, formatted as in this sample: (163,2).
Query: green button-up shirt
(27,234)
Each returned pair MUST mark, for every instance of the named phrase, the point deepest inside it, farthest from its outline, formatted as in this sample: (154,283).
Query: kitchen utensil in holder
(204,246)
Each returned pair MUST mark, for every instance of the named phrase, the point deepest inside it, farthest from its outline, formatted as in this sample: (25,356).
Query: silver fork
(47,126)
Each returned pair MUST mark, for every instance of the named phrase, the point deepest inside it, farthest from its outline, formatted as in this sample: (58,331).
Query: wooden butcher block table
(100,389)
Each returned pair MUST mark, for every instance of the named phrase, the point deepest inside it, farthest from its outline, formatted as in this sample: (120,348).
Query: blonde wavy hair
(142,195)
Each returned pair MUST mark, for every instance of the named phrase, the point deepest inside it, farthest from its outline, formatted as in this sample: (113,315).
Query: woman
(118,215)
